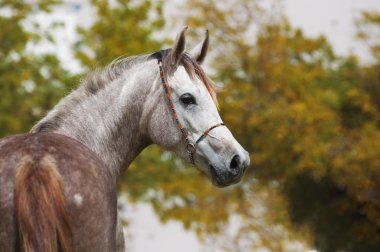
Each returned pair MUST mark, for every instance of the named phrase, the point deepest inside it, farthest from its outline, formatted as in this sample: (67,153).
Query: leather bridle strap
(205,133)
(190,147)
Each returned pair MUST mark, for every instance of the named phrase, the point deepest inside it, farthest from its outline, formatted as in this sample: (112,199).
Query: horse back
(42,167)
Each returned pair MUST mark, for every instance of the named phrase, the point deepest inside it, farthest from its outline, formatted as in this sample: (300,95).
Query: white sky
(146,233)
(334,18)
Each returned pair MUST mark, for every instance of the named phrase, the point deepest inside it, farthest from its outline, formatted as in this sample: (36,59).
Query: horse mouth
(219,180)
(216,178)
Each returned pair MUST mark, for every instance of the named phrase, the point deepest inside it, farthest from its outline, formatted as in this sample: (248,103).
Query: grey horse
(58,182)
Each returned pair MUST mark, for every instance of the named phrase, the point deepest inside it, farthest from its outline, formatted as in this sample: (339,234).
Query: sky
(146,233)
(334,18)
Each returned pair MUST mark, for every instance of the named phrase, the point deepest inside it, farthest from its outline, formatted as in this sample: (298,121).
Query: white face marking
(78,199)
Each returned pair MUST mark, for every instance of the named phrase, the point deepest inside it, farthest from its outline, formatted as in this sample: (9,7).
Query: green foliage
(369,32)
(29,84)
(124,28)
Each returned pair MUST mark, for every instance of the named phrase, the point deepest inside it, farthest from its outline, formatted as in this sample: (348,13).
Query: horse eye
(187,99)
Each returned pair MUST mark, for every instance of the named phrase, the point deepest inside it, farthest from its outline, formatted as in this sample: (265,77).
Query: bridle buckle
(190,148)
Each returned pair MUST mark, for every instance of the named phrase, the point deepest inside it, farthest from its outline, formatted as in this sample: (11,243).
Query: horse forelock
(193,69)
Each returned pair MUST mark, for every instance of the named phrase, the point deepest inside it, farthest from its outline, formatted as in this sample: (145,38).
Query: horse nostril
(235,162)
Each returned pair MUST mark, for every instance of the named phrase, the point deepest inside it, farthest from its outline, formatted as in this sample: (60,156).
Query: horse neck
(109,121)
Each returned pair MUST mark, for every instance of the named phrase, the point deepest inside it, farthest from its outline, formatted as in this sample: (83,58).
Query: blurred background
(300,90)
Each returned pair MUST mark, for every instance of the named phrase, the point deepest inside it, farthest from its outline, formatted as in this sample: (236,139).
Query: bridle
(190,147)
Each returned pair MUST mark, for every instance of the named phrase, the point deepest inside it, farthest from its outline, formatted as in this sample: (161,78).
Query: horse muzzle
(229,172)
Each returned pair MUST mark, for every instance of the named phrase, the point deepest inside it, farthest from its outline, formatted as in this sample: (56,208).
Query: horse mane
(99,78)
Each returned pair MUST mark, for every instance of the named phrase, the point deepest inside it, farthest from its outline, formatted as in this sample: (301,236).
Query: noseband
(190,147)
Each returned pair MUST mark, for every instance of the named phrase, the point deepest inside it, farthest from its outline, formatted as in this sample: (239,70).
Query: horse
(58,182)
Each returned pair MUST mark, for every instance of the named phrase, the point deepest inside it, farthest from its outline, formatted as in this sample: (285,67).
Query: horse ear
(199,52)
(178,48)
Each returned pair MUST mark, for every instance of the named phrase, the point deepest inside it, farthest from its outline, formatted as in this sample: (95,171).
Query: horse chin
(220,180)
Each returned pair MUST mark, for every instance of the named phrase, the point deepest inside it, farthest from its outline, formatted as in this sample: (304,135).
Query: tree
(180,195)
(310,120)
(122,28)
(29,84)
